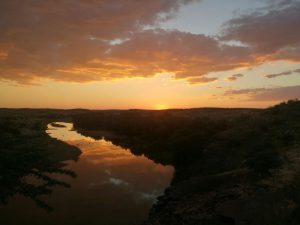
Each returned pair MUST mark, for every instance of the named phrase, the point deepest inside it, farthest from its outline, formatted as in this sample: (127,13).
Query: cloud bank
(267,94)
(76,41)
(273,35)
(40,38)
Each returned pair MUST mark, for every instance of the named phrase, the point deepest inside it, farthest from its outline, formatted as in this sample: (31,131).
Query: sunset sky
(104,54)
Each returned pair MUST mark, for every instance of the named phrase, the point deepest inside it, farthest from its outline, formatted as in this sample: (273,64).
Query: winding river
(112,186)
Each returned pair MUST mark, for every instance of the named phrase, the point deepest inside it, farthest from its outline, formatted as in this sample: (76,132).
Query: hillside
(232,167)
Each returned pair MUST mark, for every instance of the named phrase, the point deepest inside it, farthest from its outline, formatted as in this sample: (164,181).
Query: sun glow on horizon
(186,58)
(161,106)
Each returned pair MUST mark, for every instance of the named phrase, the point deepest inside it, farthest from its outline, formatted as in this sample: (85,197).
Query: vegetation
(232,166)
(28,152)
(168,136)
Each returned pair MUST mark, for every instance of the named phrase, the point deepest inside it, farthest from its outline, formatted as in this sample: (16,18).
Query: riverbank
(240,167)
(232,166)
(27,151)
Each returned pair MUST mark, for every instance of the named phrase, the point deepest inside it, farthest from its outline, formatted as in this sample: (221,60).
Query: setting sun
(160,106)
(169,112)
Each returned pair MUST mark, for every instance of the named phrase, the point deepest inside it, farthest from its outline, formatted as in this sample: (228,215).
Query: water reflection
(113,186)
(28,160)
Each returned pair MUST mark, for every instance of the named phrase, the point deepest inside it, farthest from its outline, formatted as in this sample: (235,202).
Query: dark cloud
(285,73)
(249,91)
(202,80)
(297,71)
(267,94)
(234,77)
(273,35)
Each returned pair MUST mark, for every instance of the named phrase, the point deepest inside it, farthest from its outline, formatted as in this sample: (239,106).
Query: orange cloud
(76,41)
(183,54)
(40,38)
(3,55)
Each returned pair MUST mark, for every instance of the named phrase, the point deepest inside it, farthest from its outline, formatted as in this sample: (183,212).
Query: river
(112,186)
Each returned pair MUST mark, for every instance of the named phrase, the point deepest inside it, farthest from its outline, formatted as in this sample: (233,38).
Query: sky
(158,54)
